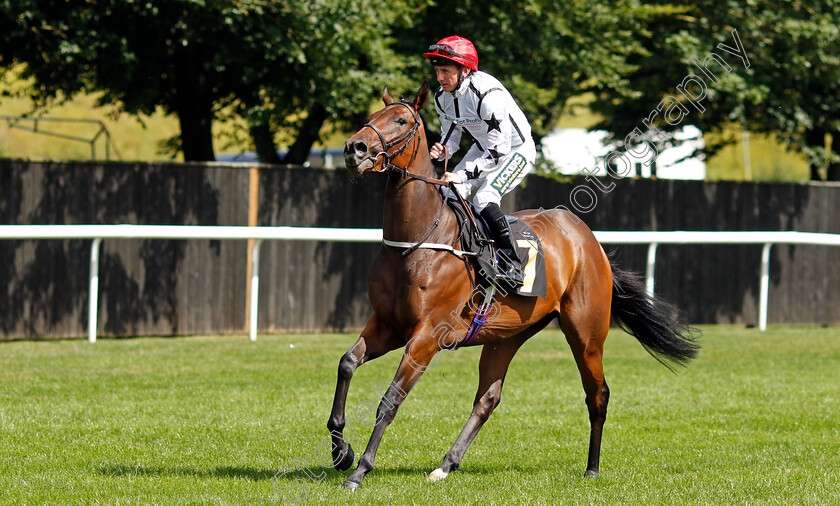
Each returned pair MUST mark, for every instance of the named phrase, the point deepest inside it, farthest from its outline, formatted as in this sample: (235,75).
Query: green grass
(770,159)
(213,419)
(132,139)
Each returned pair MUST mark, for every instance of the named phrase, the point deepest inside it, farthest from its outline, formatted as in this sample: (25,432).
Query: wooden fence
(159,287)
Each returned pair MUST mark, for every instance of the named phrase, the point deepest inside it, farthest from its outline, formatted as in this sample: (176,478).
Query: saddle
(475,238)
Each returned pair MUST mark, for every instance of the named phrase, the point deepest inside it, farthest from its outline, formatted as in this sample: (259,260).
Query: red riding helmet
(453,50)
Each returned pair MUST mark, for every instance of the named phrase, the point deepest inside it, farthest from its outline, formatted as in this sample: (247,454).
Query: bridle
(408,136)
(386,146)
(409,247)
(387,166)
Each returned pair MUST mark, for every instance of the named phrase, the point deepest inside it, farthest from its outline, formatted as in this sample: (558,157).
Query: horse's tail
(656,323)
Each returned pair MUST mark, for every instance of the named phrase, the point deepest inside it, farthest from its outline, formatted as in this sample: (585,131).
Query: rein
(387,166)
(481,314)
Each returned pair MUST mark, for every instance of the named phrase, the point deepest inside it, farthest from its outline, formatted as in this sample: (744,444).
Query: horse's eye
(402,121)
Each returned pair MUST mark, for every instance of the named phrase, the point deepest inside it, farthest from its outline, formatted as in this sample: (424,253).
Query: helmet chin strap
(461,77)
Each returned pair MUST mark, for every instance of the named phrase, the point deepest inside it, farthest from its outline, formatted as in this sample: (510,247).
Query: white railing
(99,232)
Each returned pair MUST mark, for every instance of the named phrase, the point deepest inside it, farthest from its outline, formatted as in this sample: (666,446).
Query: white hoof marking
(437,475)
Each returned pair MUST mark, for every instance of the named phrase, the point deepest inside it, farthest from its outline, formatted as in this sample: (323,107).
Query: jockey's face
(447,76)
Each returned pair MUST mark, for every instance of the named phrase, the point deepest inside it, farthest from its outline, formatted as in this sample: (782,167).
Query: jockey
(474,103)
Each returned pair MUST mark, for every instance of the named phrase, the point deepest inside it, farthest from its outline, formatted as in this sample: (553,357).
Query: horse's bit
(386,146)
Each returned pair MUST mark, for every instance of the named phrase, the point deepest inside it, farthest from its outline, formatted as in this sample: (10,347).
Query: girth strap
(480,317)
(427,245)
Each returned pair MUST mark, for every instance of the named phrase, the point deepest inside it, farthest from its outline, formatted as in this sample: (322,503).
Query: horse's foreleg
(376,340)
(495,359)
(416,359)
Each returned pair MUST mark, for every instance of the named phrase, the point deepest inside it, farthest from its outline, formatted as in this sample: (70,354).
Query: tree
(289,67)
(334,66)
(269,60)
(790,85)
(545,52)
(797,73)
(139,54)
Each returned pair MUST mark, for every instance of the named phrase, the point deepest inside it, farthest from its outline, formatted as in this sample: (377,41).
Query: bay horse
(415,291)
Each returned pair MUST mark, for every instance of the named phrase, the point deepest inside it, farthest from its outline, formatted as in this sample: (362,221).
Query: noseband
(386,146)
(387,166)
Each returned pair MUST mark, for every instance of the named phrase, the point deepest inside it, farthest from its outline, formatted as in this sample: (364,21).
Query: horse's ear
(422,96)
(386,97)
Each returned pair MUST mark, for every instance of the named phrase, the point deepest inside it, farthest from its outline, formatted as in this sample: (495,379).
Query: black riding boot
(509,263)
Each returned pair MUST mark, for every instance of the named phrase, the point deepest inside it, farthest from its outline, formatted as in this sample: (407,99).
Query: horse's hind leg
(586,332)
(495,359)
(493,366)
(376,340)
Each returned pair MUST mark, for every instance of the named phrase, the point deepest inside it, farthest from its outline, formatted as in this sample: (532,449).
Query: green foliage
(790,88)
(213,419)
(295,65)
(799,65)
(270,60)
(329,55)
(545,52)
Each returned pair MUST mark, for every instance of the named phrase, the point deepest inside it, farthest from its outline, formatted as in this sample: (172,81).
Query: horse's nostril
(360,147)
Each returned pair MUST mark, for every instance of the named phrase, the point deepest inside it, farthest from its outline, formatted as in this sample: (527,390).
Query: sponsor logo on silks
(508,175)
(462,121)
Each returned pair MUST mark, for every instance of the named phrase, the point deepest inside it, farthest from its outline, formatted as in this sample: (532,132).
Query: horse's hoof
(591,473)
(351,485)
(346,461)
(437,475)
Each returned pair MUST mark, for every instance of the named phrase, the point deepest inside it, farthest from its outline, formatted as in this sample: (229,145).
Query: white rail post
(255,289)
(93,290)
(651,267)
(764,290)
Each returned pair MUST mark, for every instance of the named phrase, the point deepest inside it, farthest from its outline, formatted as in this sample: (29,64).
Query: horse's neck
(411,205)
